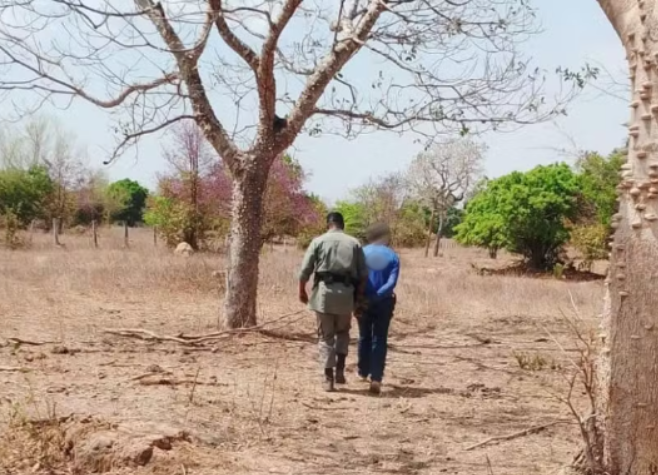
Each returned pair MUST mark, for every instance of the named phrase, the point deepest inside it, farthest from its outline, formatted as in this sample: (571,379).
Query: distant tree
(289,210)
(385,199)
(600,177)
(44,142)
(93,201)
(454,216)
(592,227)
(355,215)
(24,194)
(191,157)
(525,213)
(132,197)
(442,176)
(191,206)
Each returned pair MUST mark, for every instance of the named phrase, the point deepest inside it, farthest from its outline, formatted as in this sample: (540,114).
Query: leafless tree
(189,154)
(381,198)
(441,176)
(255,74)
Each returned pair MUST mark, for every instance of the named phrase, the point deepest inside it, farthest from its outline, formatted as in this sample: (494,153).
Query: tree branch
(203,111)
(134,136)
(266,79)
(325,72)
(71,89)
(235,43)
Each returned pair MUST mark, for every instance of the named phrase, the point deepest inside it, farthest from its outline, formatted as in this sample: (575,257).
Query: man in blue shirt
(383,271)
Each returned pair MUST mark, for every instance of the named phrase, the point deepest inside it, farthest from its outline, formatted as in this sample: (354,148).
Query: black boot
(328,384)
(340,369)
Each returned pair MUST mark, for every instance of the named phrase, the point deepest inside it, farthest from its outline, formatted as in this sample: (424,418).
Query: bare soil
(470,358)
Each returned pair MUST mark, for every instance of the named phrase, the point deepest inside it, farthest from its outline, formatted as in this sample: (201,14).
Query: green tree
(410,226)
(600,177)
(355,215)
(132,197)
(24,193)
(525,213)
(454,216)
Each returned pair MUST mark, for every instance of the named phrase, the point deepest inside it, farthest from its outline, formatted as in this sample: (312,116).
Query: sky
(574,33)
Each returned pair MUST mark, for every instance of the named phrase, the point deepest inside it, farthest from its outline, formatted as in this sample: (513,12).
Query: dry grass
(454,376)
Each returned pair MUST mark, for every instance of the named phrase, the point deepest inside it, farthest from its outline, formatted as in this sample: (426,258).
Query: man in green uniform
(340,274)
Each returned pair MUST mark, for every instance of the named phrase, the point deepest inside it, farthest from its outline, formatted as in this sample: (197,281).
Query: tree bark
(439,231)
(244,248)
(429,235)
(626,386)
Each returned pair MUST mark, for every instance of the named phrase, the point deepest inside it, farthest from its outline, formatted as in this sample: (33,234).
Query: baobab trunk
(244,248)
(626,388)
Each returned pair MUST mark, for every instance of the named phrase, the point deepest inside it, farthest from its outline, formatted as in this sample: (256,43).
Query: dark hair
(377,232)
(336,219)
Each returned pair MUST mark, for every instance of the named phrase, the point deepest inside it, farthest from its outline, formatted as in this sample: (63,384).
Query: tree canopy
(24,193)
(525,213)
(132,198)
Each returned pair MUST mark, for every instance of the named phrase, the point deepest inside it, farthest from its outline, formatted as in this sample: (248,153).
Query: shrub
(526,213)
(590,241)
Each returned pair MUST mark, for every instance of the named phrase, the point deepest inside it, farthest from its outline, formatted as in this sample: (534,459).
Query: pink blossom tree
(197,193)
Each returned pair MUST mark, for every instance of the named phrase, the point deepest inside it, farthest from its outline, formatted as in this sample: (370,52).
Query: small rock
(184,249)
(56,390)
(154,368)
(60,350)
(139,452)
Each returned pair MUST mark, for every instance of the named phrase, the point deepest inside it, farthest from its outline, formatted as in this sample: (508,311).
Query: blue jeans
(373,338)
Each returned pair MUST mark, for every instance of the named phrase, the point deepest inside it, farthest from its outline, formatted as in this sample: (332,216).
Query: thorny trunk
(623,437)
(244,248)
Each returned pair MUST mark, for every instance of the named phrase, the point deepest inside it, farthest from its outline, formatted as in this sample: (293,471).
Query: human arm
(307,268)
(361,282)
(392,280)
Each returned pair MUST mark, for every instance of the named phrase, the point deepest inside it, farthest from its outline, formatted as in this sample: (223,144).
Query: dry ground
(252,403)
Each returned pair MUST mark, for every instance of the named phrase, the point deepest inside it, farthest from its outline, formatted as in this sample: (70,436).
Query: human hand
(303,297)
(360,308)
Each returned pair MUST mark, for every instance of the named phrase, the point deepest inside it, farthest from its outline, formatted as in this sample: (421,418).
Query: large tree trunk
(244,248)
(626,392)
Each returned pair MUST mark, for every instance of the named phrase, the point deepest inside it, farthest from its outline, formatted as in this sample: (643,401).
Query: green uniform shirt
(338,253)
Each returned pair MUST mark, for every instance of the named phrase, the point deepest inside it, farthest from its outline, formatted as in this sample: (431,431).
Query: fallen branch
(13,369)
(257,328)
(148,375)
(173,382)
(319,408)
(515,435)
(145,335)
(20,341)
(195,340)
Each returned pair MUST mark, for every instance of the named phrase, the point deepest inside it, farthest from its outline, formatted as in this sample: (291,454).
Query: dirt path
(254,404)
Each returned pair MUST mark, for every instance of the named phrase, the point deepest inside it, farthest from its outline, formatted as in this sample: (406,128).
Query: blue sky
(575,32)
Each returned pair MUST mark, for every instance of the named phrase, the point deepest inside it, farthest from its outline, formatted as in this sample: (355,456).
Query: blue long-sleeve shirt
(383,271)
